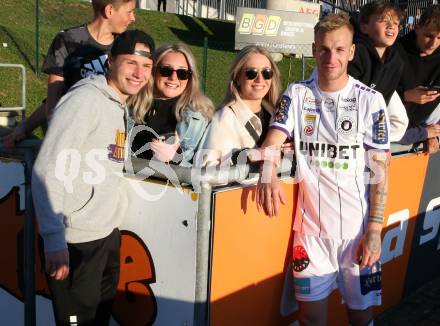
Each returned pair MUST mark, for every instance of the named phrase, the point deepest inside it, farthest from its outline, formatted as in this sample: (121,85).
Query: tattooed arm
(370,245)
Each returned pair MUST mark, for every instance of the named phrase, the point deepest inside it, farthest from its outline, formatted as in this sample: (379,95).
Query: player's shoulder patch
(282,109)
(309,83)
(306,82)
(299,87)
(364,88)
(380,127)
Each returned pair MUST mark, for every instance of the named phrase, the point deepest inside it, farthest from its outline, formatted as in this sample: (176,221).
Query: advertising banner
(250,280)
(275,30)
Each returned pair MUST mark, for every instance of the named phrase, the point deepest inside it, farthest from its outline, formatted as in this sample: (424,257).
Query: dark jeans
(88,291)
(164,4)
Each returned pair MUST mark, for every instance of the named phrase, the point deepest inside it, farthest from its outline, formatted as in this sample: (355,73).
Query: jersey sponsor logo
(300,259)
(311,109)
(324,150)
(380,129)
(349,99)
(309,124)
(281,113)
(302,285)
(94,67)
(312,100)
(324,164)
(345,125)
(370,278)
(351,107)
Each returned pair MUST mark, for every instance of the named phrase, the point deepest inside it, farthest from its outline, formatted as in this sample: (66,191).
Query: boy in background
(76,53)
(377,62)
(420,78)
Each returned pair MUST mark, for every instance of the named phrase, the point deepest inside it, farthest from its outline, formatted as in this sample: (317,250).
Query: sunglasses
(167,71)
(252,73)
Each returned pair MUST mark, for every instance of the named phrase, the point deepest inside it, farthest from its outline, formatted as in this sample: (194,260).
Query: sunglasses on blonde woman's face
(167,71)
(252,73)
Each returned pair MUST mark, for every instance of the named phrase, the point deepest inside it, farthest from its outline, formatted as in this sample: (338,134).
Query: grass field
(18,31)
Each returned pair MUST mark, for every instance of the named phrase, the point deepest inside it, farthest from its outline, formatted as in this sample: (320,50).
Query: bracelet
(375,219)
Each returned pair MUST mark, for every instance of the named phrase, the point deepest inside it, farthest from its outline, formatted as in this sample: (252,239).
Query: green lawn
(18,31)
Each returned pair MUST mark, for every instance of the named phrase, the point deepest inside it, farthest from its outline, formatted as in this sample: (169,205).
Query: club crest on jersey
(309,124)
(300,259)
(380,129)
(346,125)
(281,112)
(329,103)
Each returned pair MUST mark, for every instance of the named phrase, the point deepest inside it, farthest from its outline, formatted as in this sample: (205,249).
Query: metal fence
(413,9)
(215,9)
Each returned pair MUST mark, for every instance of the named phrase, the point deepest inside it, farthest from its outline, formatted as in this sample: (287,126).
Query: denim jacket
(191,129)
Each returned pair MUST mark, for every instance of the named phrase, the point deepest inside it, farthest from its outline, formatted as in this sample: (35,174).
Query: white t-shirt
(332,133)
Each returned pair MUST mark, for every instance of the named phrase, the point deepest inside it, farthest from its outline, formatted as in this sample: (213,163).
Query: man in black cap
(77,184)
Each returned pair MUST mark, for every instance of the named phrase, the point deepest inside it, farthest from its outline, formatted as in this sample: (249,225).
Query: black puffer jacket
(419,71)
(367,66)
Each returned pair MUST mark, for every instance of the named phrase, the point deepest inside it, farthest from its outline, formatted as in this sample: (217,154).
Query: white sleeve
(377,124)
(398,118)
(222,138)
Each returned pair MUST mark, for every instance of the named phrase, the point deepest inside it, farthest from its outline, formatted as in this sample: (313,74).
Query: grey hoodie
(76,181)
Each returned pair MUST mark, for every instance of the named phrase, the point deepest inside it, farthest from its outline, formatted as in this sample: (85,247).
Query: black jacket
(419,71)
(367,67)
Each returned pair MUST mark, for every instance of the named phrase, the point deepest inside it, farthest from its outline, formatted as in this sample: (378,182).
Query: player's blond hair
(333,22)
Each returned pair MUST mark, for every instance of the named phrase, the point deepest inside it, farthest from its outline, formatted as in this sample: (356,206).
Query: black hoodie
(367,66)
(419,71)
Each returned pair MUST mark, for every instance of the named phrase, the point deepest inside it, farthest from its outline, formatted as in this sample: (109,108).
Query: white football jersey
(333,135)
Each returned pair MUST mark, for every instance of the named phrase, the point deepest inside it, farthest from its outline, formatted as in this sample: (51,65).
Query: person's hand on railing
(269,191)
(421,95)
(19,133)
(433,131)
(431,145)
(57,264)
(287,147)
(163,151)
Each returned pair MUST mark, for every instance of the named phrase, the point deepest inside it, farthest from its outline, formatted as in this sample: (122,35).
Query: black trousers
(164,5)
(88,291)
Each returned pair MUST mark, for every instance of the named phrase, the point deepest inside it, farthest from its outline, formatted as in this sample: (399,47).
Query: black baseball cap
(125,43)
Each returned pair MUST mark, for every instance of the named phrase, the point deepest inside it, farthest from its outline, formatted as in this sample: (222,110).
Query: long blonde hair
(191,97)
(142,101)
(233,91)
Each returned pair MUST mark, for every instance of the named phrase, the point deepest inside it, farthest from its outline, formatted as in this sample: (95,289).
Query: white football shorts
(322,265)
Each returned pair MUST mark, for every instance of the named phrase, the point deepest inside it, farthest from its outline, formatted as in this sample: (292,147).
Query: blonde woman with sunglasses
(243,118)
(180,113)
